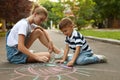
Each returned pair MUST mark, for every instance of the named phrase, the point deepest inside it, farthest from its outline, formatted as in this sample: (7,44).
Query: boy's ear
(72,26)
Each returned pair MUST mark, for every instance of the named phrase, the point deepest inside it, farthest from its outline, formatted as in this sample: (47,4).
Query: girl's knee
(38,32)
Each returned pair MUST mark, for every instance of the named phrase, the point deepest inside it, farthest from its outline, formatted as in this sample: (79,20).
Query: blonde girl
(24,33)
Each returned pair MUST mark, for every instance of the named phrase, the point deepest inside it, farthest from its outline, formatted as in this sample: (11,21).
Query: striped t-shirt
(77,39)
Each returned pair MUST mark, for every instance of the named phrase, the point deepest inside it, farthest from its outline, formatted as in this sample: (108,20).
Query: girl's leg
(38,34)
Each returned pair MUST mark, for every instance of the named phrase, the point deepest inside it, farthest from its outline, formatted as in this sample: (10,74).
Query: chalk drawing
(48,71)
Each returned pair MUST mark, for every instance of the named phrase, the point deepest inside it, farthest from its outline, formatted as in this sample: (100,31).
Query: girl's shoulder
(22,22)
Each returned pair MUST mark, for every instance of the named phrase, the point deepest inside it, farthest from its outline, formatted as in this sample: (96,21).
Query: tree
(13,10)
(108,10)
(55,11)
(83,11)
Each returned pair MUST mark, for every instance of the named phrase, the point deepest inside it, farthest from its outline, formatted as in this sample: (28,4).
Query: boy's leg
(102,58)
(86,58)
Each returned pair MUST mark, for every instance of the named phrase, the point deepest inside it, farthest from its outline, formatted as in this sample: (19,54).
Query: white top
(21,27)
(77,39)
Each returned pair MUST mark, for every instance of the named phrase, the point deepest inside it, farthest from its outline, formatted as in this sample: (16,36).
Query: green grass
(2,34)
(111,34)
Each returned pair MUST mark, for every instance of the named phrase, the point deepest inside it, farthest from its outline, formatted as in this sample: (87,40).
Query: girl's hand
(70,63)
(59,61)
(41,58)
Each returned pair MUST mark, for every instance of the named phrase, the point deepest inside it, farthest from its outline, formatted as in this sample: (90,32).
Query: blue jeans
(85,58)
(14,55)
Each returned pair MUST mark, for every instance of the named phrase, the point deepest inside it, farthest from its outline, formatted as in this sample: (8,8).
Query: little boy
(76,41)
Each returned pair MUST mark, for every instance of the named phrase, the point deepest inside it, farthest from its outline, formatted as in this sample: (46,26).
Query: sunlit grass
(2,34)
(111,34)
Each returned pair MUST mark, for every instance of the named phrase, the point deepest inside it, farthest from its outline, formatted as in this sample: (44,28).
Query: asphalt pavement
(45,71)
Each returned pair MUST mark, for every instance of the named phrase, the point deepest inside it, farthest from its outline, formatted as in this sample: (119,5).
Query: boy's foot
(60,54)
(102,58)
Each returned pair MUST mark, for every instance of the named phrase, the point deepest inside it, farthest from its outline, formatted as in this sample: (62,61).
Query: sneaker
(60,54)
(52,58)
(32,51)
(102,58)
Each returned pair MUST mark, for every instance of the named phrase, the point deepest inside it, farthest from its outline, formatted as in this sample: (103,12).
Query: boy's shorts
(14,55)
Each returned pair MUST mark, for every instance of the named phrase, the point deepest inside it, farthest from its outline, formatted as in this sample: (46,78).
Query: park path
(102,71)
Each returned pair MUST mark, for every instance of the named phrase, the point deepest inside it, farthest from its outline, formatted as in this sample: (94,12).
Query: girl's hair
(39,10)
(65,22)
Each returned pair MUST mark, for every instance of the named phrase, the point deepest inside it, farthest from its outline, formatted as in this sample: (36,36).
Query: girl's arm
(22,48)
(66,50)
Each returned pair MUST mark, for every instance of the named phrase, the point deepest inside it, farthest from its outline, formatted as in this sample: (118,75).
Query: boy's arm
(66,52)
(77,51)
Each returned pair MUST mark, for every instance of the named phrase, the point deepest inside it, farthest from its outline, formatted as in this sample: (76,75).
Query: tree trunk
(110,22)
(116,23)
(4,25)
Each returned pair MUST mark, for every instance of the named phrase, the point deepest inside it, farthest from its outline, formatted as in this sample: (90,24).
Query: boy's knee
(81,61)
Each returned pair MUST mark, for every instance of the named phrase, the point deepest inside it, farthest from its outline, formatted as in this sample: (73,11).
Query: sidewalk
(38,71)
(112,41)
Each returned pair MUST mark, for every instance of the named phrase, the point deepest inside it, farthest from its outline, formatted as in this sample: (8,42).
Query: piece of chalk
(65,62)
(66,66)
(50,64)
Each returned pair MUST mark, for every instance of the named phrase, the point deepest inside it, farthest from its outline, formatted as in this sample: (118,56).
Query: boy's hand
(70,64)
(59,61)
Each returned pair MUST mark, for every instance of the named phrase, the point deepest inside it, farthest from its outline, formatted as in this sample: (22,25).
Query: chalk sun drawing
(49,72)
(46,72)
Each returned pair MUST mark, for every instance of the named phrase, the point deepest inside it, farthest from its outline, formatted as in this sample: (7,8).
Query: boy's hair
(39,10)
(65,22)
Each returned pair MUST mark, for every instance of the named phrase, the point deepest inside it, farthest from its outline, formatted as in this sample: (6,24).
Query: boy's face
(67,30)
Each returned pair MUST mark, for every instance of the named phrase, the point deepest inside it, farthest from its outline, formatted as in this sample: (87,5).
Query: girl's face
(38,19)
(67,30)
